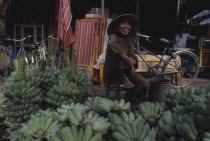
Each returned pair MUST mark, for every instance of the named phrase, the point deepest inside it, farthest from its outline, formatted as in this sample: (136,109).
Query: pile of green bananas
(72,113)
(101,105)
(201,114)
(203,93)
(206,136)
(167,126)
(119,119)
(21,98)
(121,105)
(98,123)
(47,78)
(135,131)
(76,134)
(64,92)
(38,128)
(150,111)
(179,97)
(179,109)
(186,127)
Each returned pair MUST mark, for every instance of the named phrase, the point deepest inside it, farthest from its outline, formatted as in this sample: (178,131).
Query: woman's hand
(131,61)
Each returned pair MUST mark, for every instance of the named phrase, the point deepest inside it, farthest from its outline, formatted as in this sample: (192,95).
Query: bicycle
(182,63)
(8,56)
(40,52)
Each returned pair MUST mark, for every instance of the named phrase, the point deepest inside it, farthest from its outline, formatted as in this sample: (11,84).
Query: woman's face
(125,28)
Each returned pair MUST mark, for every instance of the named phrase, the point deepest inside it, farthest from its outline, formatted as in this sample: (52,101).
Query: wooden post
(178,11)
(102,8)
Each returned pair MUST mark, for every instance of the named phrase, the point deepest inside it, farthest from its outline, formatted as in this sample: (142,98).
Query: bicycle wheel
(35,58)
(5,68)
(181,69)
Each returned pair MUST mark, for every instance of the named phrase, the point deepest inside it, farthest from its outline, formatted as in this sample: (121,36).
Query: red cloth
(64,16)
(85,42)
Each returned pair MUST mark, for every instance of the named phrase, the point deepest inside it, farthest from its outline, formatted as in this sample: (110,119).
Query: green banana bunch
(115,120)
(186,127)
(179,97)
(121,105)
(39,127)
(72,112)
(63,93)
(167,126)
(73,133)
(206,136)
(135,131)
(99,104)
(21,98)
(181,109)
(98,123)
(150,111)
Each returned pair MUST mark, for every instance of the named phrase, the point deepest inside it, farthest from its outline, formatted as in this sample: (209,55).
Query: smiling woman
(120,61)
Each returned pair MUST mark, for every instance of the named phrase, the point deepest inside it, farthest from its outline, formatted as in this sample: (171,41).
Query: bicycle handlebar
(38,43)
(19,40)
(141,35)
(146,37)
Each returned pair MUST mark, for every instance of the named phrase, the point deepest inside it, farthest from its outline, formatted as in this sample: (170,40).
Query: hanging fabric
(64,17)
(89,34)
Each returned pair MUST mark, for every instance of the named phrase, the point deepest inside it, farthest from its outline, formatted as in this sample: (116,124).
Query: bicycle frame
(155,71)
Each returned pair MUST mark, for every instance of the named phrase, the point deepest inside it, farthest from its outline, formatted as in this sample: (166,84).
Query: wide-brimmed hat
(133,19)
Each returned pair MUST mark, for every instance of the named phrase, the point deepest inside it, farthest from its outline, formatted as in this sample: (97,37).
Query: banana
(119,137)
(144,132)
(151,136)
(124,116)
(88,133)
(80,134)
(168,118)
(148,107)
(134,129)
(143,111)
(61,111)
(192,125)
(72,118)
(96,137)
(104,107)
(117,119)
(121,103)
(167,129)
(126,106)
(65,107)
(77,114)
(54,127)
(66,134)
(94,118)
(122,131)
(55,138)
(129,130)
(116,105)
(131,117)
(90,115)
(63,117)
(100,127)
(190,132)
(74,132)
(140,128)
(43,121)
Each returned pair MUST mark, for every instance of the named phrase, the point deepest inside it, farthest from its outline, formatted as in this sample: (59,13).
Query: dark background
(156,16)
